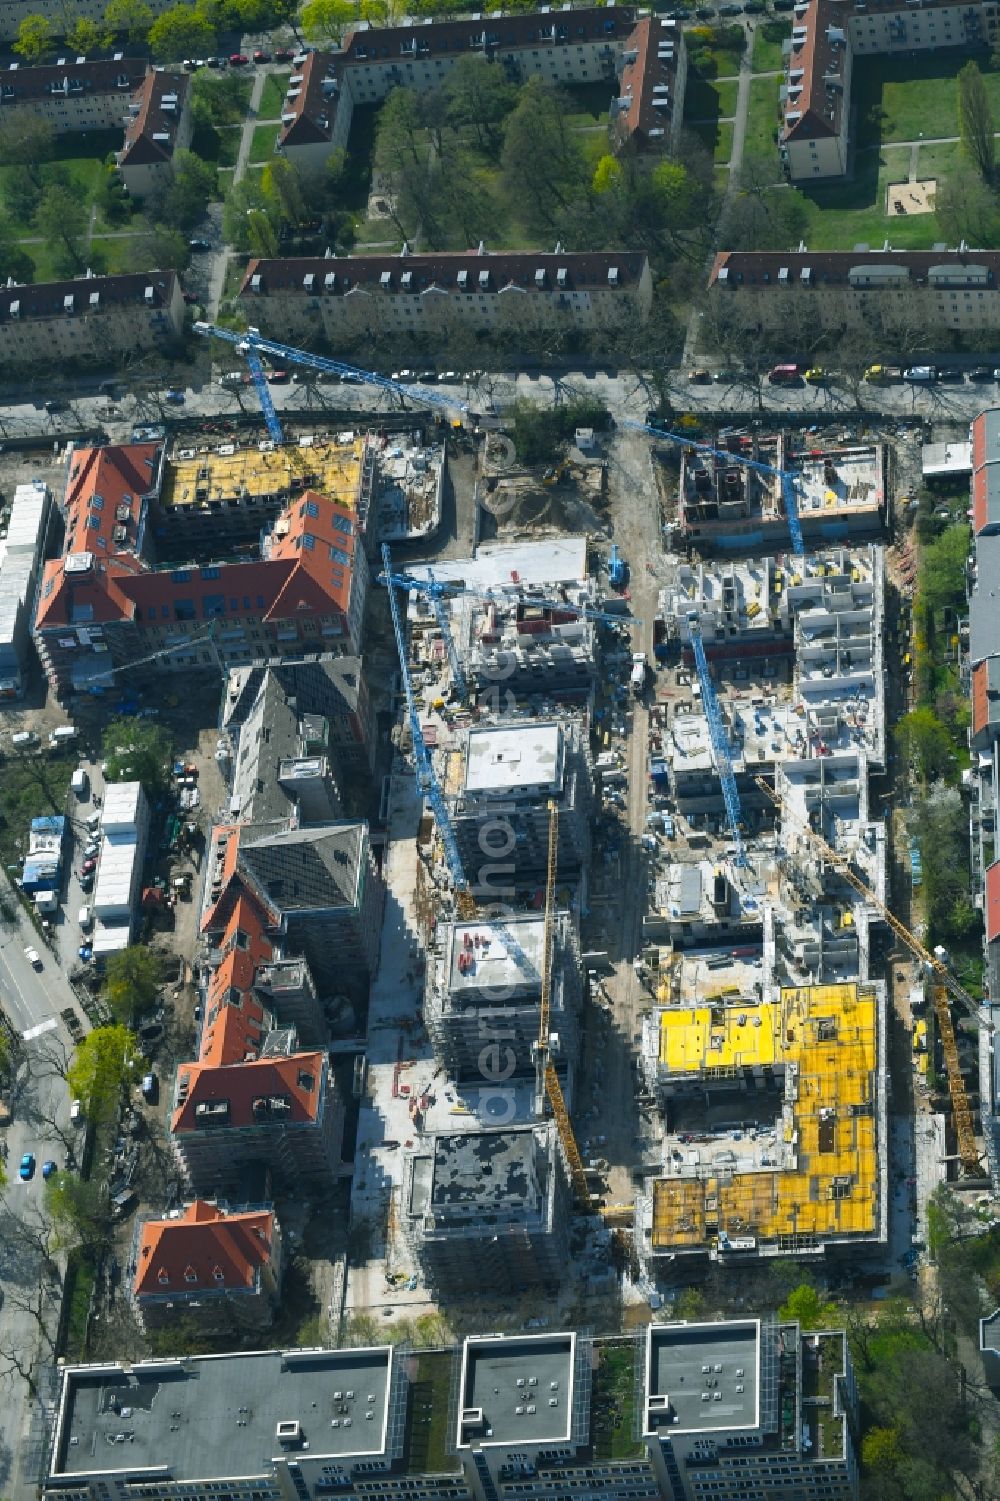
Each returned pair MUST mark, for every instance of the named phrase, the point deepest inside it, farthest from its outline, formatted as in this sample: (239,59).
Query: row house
(89,320)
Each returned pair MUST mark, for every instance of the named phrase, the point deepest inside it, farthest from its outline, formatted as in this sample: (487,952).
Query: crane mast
(720,743)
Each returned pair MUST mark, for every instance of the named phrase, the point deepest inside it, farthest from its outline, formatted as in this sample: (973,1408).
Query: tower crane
(252,344)
(548,1086)
(945,985)
(720,744)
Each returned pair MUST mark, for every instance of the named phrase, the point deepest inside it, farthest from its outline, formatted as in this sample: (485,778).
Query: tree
(15,262)
(942,569)
(136,750)
(27,141)
(132,979)
(543,165)
(282,183)
(245,201)
(61,219)
(78,1208)
(161,249)
(327,20)
(183,31)
(539,432)
(217,99)
(479,94)
(805,1305)
(87,35)
(101,1071)
(608,174)
(925,741)
(966,207)
(34,38)
(131,17)
(975,120)
(192,186)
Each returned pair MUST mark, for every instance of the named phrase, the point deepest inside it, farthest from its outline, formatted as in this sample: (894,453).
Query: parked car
(176,398)
(85,917)
(284,55)
(48,1168)
(33,957)
(699,377)
(89,865)
(86,879)
(238,60)
(261,56)
(921,374)
(277,377)
(26,1171)
(199,245)
(816,376)
(216,62)
(448,377)
(981,372)
(950,373)
(76,1112)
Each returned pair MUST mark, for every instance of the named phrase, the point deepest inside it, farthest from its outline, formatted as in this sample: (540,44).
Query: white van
(85,918)
(24,740)
(94,822)
(64,735)
(80,782)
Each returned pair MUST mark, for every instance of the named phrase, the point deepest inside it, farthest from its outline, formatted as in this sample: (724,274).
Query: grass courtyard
(914,97)
(710,99)
(716,138)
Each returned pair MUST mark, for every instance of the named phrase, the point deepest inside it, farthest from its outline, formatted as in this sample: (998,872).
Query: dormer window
(190,1275)
(218,1274)
(163,1276)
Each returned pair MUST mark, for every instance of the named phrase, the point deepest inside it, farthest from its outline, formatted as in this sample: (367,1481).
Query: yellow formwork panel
(334,469)
(829,1034)
(736,1036)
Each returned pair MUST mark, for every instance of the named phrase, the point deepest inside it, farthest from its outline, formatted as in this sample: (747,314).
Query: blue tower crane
(720,745)
(252,345)
(436,593)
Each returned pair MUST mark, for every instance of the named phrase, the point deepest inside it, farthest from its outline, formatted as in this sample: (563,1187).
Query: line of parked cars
(240,59)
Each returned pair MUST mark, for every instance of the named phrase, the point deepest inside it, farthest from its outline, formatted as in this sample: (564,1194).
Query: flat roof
(511,760)
(516,1390)
(702,1377)
(213,1417)
(724,1036)
(482,957)
(231,472)
(557,560)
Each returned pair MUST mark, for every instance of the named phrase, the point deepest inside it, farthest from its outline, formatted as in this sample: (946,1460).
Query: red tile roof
(144,131)
(980,703)
(759,268)
(308,118)
(993,902)
(297,1079)
(643,80)
(514,268)
(74,79)
(386,46)
(819,104)
(47,299)
(203,1250)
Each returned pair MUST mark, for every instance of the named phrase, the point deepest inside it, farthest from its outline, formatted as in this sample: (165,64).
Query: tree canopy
(132,979)
(35,37)
(183,31)
(102,1069)
(136,750)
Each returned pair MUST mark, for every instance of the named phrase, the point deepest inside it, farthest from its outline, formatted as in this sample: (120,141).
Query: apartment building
(347,298)
(530,1416)
(648,113)
(103,602)
(498,782)
(317,888)
(488,1209)
(216,1265)
(814,135)
(559,45)
(30,530)
(888,295)
(89,320)
(335,689)
(281,770)
(482,989)
(254,1097)
(158,123)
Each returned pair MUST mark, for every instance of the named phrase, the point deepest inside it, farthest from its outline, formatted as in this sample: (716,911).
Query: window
(181,576)
(210,573)
(308,541)
(312,509)
(183,609)
(97,502)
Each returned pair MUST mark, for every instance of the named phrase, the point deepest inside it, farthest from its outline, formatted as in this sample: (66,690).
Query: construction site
(669,866)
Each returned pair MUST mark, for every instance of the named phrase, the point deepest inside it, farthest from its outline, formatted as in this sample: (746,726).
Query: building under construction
(482,990)
(498,782)
(488,1209)
(806,1168)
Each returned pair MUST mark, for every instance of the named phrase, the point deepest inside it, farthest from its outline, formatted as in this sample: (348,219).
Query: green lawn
(80,175)
(427,1449)
(220,146)
(717,138)
(916,94)
(938,161)
(33,785)
(708,99)
(767,55)
(262,144)
(613,1402)
(591,101)
(721,178)
(762,117)
(852,213)
(273,97)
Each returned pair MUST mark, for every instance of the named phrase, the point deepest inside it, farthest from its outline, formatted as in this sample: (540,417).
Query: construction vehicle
(946,985)
(548,1086)
(252,345)
(617,568)
(555,474)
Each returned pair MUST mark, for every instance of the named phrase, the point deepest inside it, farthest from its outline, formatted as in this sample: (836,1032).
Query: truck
(884,374)
(638,678)
(79,782)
